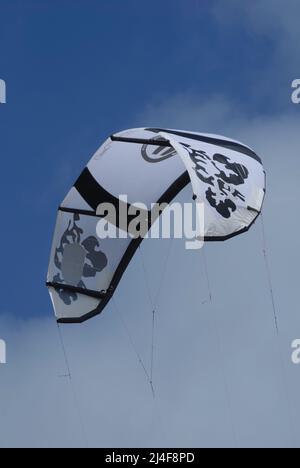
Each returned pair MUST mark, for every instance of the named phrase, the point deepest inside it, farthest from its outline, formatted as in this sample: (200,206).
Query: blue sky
(77,71)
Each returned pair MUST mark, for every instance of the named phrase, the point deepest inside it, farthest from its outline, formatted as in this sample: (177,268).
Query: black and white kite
(148,165)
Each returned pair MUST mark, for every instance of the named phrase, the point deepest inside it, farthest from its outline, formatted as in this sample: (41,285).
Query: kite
(148,165)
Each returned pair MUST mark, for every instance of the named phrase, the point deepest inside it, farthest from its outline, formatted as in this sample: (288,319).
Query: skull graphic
(76,259)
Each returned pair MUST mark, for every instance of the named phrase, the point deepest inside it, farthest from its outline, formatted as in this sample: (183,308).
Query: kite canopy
(148,165)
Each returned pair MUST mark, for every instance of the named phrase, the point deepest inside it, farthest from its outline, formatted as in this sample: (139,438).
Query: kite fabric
(147,165)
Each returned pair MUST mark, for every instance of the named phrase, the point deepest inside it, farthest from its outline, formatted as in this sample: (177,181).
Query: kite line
(131,340)
(154,303)
(70,378)
(219,344)
(269,275)
(274,307)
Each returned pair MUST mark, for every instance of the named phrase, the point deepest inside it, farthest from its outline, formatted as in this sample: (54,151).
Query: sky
(76,72)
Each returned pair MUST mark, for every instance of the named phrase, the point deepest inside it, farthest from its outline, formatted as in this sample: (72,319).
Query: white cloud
(276,20)
(188,111)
